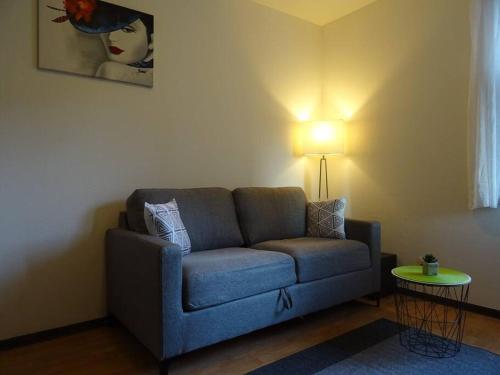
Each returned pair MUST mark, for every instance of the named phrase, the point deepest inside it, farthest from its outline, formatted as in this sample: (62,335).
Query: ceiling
(320,12)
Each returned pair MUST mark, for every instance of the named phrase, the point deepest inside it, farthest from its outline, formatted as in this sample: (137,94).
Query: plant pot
(430,269)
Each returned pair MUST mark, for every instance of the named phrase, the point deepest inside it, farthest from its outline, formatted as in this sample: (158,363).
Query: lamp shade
(323,137)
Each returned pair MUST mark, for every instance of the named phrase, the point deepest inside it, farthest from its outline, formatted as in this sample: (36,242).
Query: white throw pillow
(326,219)
(164,221)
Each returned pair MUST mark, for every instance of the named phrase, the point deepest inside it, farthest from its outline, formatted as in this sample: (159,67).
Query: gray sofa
(251,266)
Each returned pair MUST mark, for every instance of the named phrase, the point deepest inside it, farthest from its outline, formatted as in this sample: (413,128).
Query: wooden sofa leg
(163,367)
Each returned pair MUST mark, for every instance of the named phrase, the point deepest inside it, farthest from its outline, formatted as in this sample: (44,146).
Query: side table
(430,310)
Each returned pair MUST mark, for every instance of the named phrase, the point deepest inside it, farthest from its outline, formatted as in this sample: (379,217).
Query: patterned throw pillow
(164,221)
(326,219)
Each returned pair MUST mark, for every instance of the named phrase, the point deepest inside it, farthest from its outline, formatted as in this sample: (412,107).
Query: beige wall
(230,79)
(400,69)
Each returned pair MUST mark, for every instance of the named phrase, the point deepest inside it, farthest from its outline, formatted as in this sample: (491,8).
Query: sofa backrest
(208,214)
(270,213)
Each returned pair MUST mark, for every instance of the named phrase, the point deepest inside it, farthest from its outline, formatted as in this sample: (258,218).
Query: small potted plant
(430,265)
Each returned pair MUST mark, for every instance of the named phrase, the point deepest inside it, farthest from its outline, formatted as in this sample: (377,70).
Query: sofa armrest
(144,288)
(369,233)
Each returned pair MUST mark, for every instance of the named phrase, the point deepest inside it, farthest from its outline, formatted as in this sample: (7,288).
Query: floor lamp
(322,138)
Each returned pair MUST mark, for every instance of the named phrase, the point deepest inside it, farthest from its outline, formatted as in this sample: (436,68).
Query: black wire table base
(431,317)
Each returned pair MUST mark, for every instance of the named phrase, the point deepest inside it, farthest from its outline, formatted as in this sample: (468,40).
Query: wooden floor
(111,350)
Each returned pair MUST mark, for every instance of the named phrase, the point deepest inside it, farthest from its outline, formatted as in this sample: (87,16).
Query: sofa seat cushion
(217,276)
(318,258)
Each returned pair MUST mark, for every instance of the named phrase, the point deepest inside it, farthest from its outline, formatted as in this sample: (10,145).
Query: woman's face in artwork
(127,45)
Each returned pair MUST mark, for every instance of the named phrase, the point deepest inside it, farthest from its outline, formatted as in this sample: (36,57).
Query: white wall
(230,79)
(400,69)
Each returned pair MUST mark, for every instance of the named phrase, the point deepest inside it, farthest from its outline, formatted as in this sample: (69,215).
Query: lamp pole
(321,176)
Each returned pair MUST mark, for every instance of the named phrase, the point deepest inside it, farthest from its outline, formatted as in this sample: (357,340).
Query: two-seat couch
(251,266)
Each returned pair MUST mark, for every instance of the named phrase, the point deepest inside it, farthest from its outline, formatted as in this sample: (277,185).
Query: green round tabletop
(446,276)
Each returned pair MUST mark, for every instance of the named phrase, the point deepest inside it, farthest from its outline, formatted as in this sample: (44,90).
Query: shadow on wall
(488,220)
(58,283)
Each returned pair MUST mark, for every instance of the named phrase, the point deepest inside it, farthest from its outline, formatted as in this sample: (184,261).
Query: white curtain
(484,104)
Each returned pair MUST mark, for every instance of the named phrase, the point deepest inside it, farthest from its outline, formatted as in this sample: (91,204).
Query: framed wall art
(97,39)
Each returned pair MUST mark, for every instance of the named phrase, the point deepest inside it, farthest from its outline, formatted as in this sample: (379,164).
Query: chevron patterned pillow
(164,221)
(326,219)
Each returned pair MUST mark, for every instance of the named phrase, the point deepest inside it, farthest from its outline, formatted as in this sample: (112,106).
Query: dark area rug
(375,349)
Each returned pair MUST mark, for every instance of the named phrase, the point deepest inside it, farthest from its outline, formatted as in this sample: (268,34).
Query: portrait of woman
(126,38)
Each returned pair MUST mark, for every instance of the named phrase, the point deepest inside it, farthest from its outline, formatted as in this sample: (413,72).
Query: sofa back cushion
(208,214)
(270,213)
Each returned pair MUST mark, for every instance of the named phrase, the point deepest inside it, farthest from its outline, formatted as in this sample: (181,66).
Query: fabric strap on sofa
(286,298)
